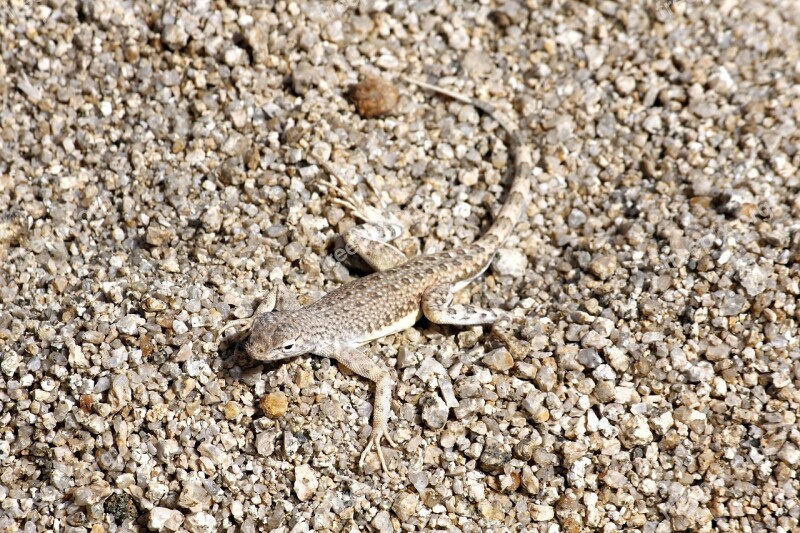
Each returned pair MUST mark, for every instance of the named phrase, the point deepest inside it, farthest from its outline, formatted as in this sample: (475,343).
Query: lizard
(395,296)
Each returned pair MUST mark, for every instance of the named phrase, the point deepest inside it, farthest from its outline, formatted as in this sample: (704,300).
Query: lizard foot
(366,213)
(375,442)
(356,205)
(352,203)
(329,168)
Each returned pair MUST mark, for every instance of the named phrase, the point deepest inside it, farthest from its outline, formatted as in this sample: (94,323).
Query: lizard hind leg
(438,307)
(370,242)
(371,239)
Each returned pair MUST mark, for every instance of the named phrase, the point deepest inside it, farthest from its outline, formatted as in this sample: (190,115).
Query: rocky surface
(157,177)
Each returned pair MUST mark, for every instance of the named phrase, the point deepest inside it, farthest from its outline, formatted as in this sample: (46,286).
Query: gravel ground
(157,178)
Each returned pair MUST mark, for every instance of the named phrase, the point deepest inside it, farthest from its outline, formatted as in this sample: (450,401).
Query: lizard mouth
(252,350)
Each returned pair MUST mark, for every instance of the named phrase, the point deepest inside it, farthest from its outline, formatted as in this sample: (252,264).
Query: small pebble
(129,324)
(121,506)
(434,412)
(542,513)
(405,505)
(604,267)
(625,85)
(274,404)
(545,378)
(383,522)
(494,456)
(163,519)
(510,262)
(499,360)
(374,97)
(201,523)
(305,483)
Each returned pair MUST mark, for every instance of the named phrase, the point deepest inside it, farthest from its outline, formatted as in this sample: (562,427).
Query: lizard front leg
(361,364)
(279,298)
(266,306)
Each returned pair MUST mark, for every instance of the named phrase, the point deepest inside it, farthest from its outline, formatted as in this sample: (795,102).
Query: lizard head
(275,336)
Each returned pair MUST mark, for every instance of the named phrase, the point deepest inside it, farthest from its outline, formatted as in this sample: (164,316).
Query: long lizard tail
(518,194)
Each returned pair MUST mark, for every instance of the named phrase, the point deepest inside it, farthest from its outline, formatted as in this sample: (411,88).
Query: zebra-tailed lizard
(393,298)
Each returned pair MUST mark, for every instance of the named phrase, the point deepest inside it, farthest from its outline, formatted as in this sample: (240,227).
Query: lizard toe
(375,442)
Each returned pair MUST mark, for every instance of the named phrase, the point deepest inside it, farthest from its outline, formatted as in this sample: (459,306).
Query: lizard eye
(287,347)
